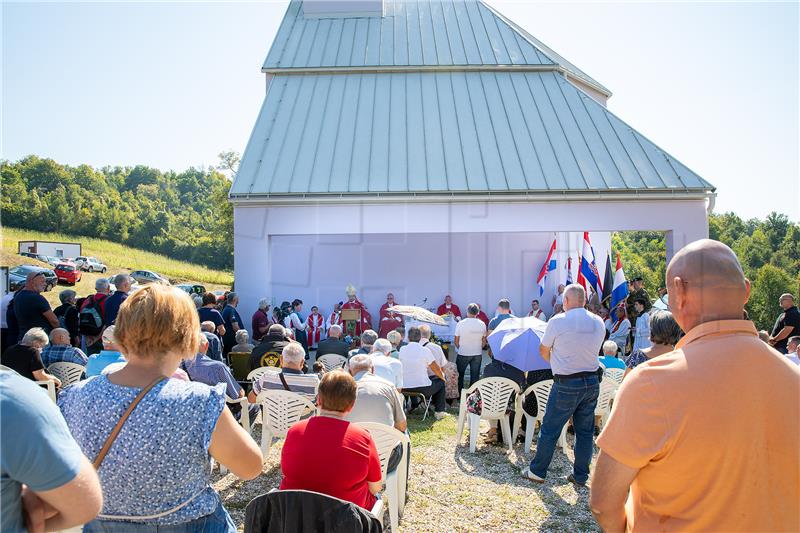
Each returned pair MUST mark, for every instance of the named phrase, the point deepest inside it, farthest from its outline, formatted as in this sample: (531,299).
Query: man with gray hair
(469,339)
(333,344)
(368,338)
(122,286)
(376,399)
(609,358)
(570,344)
(384,365)
(268,352)
(25,357)
(61,351)
(260,322)
(92,317)
(291,377)
(214,351)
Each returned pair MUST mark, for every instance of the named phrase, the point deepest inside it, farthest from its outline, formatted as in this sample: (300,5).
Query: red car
(68,273)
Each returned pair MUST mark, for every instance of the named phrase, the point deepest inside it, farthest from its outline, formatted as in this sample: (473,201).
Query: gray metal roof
(446,132)
(426,33)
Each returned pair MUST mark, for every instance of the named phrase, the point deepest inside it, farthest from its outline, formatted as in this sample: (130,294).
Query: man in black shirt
(272,343)
(787,324)
(30,307)
(25,358)
(333,343)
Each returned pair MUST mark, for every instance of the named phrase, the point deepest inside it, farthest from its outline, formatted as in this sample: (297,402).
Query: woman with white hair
(26,357)
(242,342)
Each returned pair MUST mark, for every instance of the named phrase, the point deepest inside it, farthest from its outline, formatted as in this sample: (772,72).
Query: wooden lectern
(351,318)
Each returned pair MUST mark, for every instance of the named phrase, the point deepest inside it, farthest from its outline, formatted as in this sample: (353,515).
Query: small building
(433,148)
(55,249)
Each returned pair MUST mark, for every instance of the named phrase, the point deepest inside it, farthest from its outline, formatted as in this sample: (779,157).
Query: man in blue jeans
(570,343)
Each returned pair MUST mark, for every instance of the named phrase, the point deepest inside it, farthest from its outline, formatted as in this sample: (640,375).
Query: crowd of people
(130,445)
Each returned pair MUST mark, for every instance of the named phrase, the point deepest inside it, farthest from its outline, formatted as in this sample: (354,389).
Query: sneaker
(574,481)
(527,474)
(440,414)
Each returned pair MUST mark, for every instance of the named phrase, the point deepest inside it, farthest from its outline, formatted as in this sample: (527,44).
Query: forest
(187,216)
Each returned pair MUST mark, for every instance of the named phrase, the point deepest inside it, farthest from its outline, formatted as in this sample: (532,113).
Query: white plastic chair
(280,410)
(50,386)
(495,393)
(614,374)
(386,439)
(68,373)
(332,361)
(260,371)
(244,420)
(608,389)
(542,392)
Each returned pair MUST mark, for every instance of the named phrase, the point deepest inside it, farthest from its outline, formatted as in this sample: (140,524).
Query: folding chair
(425,400)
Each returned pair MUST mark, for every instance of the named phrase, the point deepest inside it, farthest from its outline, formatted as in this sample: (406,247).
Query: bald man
(697,440)
(61,351)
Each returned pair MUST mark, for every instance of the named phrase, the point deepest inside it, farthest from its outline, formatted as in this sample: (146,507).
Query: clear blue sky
(170,85)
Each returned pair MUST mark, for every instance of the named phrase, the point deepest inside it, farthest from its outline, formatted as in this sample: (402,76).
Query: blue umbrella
(516,342)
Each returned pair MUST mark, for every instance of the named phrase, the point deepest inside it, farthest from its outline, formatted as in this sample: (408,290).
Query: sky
(172,84)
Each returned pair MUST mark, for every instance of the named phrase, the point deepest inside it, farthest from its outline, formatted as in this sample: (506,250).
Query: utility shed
(435,147)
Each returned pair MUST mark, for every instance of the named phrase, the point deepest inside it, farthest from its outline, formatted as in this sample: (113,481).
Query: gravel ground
(453,490)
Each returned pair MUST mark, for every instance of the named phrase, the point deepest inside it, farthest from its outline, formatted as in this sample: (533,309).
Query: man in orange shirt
(705,437)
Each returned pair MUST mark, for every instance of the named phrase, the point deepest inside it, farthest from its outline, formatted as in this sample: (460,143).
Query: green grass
(120,257)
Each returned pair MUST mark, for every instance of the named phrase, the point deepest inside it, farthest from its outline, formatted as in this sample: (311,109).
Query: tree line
(183,215)
(768,249)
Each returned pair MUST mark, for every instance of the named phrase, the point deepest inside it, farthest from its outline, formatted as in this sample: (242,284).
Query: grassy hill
(117,257)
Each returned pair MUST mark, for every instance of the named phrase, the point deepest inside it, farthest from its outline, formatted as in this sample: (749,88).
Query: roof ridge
(548,52)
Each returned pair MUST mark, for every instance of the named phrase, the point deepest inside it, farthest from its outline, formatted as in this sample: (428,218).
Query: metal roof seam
(477,137)
(319,137)
(349,172)
(494,129)
(530,135)
(441,132)
(262,156)
(482,10)
(583,99)
(583,136)
(302,134)
(547,134)
(566,138)
(488,36)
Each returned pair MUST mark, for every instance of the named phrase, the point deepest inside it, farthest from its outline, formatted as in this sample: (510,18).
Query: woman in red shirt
(350,468)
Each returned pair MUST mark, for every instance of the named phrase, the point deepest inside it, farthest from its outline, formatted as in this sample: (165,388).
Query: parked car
(220,294)
(68,273)
(91,264)
(54,261)
(148,276)
(38,257)
(18,275)
(192,289)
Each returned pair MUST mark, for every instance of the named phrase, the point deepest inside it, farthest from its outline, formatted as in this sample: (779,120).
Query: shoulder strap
(283,380)
(114,432)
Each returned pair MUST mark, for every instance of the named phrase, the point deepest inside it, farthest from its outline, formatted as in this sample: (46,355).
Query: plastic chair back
(68,373)
(614,374)
(332,361)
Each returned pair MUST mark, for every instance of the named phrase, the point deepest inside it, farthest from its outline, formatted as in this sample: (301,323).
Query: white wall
(276,238)
(479,267)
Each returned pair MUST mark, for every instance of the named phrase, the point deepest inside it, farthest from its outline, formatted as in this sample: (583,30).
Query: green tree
(769,284)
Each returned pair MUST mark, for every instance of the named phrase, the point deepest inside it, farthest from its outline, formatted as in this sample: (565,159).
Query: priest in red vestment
(354,303)
(389,320)
(448,307)
(536,311)
(315,327)
(482,316)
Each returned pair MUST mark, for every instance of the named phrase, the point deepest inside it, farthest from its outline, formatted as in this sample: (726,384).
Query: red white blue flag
(548,266)
(588,275)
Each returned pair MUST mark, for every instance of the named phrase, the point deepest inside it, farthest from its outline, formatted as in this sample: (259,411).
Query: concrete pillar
(251,267)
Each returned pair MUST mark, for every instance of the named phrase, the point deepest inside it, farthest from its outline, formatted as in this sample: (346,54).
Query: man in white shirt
(384,365)
(570,344)
(417,360)
(469,338)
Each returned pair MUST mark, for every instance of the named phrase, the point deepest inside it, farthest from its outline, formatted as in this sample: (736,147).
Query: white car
(90,264)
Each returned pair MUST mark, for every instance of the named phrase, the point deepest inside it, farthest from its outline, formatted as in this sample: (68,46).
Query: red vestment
(483,318)
(334,318)
(442,310)
(366,319)
(315,329)
(389,321)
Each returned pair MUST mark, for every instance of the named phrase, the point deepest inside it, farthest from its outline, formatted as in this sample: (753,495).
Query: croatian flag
(620,291)
(588,276)
(548,266)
